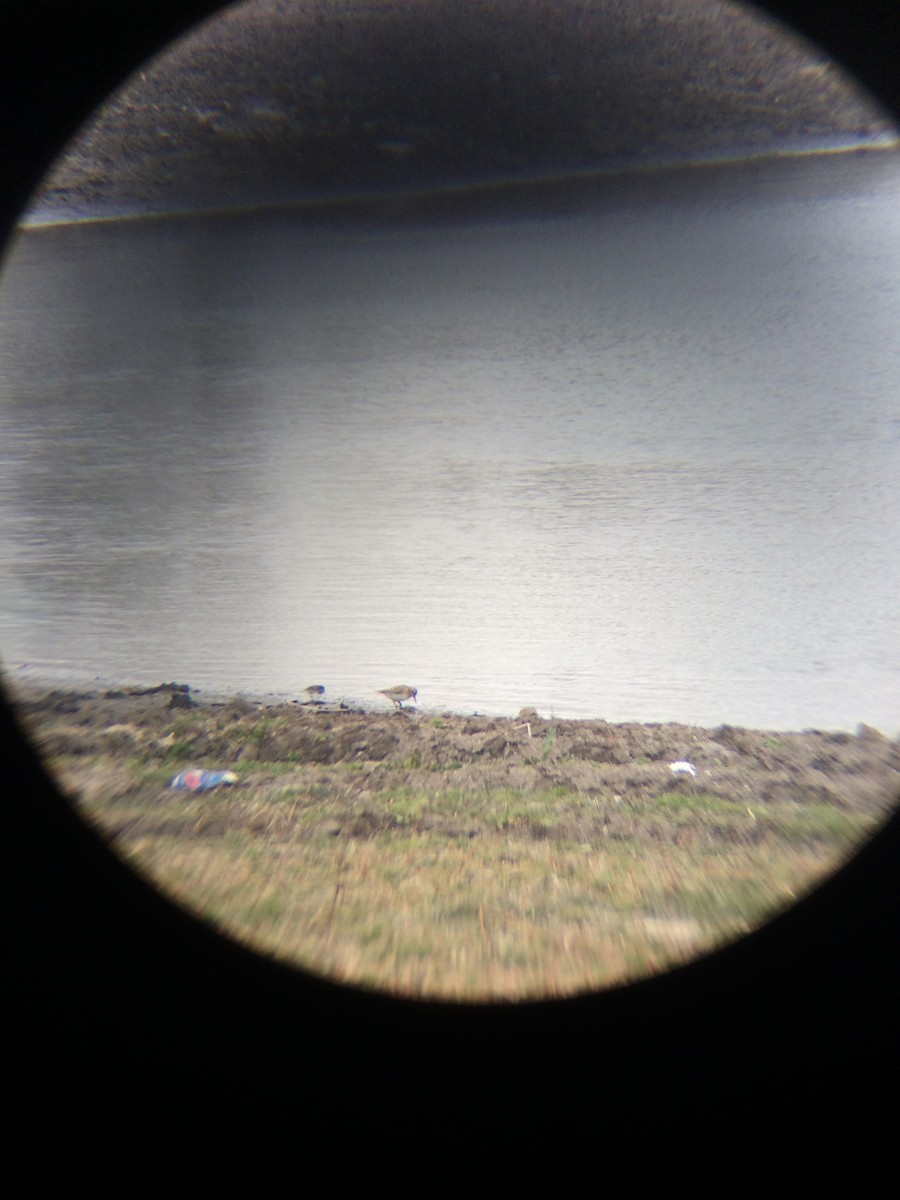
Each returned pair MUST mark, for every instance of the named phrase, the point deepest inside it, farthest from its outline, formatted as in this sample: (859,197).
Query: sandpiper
(315,691)
(399,693)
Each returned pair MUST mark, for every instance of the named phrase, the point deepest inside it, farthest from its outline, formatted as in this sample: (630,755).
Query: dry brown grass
(459,857)
(470,894)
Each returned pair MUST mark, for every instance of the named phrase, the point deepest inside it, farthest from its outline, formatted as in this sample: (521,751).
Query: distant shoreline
(521,194)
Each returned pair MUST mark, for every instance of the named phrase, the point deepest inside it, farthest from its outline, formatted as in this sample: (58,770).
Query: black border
(132,1030)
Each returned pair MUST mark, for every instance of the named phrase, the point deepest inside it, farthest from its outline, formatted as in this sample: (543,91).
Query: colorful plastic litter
(196,780)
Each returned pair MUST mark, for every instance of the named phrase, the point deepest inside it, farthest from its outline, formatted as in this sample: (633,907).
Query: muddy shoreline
(171,723)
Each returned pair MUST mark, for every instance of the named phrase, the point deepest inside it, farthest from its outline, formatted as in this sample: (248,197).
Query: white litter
(683,768)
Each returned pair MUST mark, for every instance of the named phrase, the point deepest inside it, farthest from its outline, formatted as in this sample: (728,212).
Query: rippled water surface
(638,463)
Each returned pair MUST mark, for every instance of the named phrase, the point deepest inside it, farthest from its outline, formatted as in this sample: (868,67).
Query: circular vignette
(797,1010)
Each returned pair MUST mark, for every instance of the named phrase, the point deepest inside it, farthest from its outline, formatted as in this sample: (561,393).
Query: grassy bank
(466,857)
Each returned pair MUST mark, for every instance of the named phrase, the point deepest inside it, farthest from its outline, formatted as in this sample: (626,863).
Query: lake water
(639,461)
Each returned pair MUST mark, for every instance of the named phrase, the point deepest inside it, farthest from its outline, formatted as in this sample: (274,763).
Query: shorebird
(399,693)
(315,691)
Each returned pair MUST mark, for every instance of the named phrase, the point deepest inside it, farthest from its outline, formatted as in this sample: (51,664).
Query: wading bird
(399,693)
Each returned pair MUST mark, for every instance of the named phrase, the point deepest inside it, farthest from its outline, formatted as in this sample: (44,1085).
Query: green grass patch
(405,809)
(549,741)
(819,822)
(696,802)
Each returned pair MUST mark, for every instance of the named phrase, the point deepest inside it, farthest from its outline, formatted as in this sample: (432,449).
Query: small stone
(867,733)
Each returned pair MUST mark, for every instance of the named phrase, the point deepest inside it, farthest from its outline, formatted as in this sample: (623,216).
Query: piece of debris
(196,780)
(683,768)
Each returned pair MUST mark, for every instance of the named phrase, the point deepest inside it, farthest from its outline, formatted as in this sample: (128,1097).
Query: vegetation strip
(463,857)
